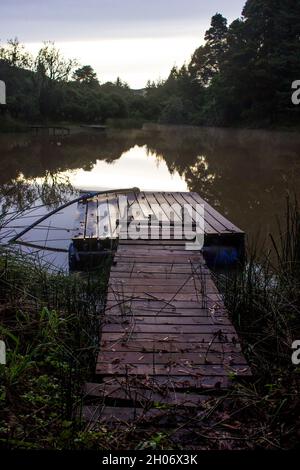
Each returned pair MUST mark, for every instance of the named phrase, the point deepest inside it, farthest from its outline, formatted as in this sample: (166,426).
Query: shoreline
(74,129)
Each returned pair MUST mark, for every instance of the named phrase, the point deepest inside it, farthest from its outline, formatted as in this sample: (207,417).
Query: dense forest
(241,76)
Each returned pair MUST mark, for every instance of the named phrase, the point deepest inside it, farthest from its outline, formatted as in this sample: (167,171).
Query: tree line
(241,75)
(51,87)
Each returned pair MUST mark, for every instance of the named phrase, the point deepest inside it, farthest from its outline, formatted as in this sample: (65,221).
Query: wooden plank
(172,370)
(164,228)
(192,262)
(178,382)
(142,275)
(210,221)
(190,358)
(188,281)
(125,298)
(113,214)
(147,246)
(136,211)
(157,210)
(91,225)
(166,320)
(229,226)
(149,256)
(186,259)
(169,198)
(193,314)
(179,338)
(143,203)
(121,274)
(159,305)
(141,251)
(208,229)
(187,288)
(161,292)
(172,213)
(157,270)
(203,283)
(152,256)
(168,308)
(162,296)
(159,244)
(80,221)
(122,248)
(104,223)
(148,345)
(180,276)
(185,269)
(168,329)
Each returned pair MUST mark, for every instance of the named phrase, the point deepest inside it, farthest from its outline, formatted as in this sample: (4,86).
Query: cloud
(134,39)
(34,20)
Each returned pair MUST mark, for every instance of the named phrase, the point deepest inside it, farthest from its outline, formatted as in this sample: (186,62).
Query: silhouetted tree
(86,74)
(51,64)
(15,55)
(206,60)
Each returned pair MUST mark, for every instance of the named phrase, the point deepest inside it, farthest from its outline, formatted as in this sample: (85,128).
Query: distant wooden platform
(54,130)
(165,330)
(95,127)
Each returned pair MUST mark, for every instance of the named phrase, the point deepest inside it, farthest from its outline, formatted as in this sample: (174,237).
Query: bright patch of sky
(134,39)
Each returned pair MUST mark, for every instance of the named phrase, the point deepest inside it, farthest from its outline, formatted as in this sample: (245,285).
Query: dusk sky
(133,39)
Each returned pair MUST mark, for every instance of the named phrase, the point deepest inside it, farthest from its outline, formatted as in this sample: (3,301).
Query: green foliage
(50,64)
(15,55)
(206,60)
(243,73)
(49,323)
(41,89)
(157,441)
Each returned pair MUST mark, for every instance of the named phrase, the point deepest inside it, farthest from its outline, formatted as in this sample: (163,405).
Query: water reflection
(136,167)
(243,173)
(50,190)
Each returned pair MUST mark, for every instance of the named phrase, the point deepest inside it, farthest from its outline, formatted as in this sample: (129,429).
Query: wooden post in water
(2,93)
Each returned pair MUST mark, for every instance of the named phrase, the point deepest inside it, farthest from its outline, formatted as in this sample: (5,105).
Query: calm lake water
(244,174)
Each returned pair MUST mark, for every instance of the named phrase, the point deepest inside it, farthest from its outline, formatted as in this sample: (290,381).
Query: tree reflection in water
(243,173)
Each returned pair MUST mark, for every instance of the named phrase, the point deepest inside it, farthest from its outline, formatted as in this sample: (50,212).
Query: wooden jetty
(165,330)
(159,214)
(94,127)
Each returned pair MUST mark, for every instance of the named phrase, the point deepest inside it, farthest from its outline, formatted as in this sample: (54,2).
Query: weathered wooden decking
(98,217)
(165,319)
(165,328)
(156,216)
